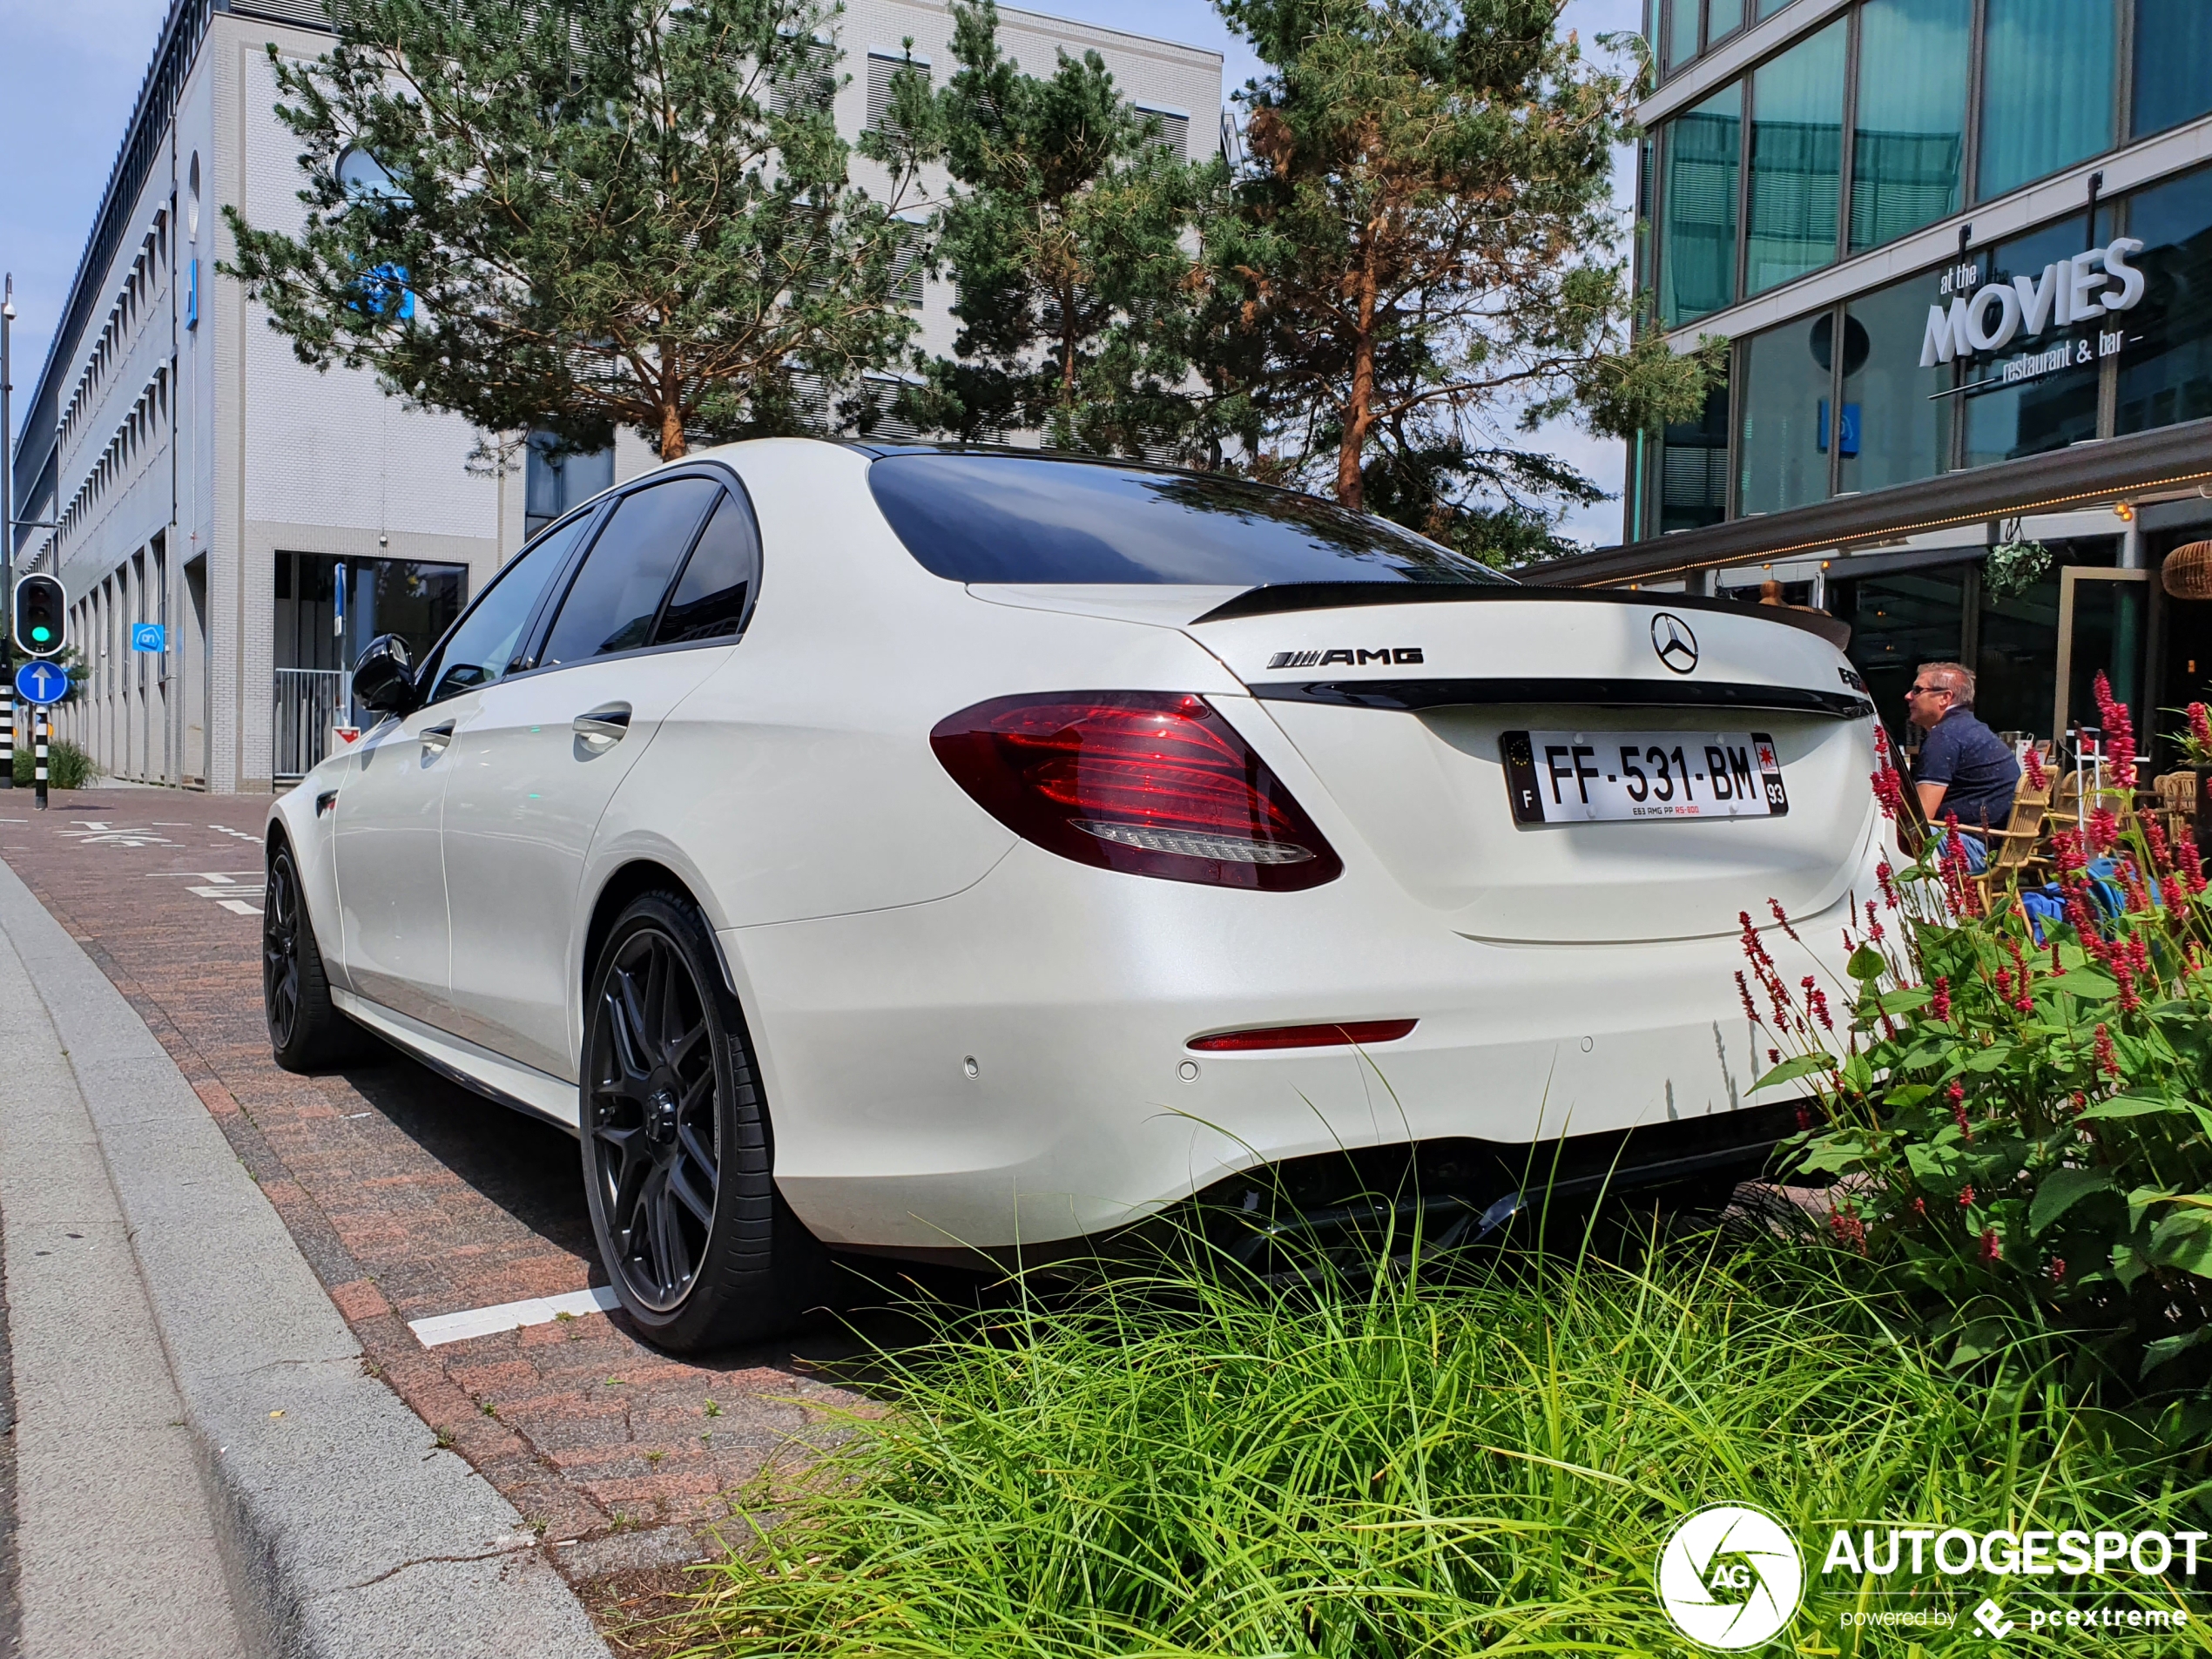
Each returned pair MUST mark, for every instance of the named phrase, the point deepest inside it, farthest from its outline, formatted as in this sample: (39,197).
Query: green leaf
(2133,1106)
(1909,1094)
(2157,1353)
(2184,1240)
(2060,1190)
(1867,963)
(1803,1065)
(2088,982)
(1902,1001)
(1993,1058)
(1937,1166)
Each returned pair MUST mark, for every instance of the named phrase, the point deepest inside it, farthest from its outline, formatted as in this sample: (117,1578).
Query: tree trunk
(672,433)
(1352,488)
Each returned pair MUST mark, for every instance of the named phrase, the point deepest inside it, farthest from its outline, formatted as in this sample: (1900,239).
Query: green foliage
(1063,231)
(2019,1127)
(67,765)
(1420,255)
(634,213)
(1424,1464)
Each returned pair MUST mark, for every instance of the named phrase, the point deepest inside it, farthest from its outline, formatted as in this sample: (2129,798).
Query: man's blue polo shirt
(1977,767)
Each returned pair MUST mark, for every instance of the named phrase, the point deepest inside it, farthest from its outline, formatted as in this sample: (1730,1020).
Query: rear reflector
(1148,783)
(1358,1033)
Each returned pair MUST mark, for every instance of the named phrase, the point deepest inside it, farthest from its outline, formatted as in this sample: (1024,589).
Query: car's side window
(611,603)
(481,647)
(711,596)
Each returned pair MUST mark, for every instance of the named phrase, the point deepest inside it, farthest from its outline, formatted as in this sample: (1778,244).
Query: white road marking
(509,1316)
(240,907)
(225,829)
(99,832)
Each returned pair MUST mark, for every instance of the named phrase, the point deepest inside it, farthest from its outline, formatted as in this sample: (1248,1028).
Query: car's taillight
(1151,782)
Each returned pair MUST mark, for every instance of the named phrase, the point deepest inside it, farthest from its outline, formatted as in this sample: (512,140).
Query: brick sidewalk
(411,1196)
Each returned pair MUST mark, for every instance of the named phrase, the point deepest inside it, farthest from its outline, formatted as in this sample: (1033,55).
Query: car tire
(305,1032)
(678,1158)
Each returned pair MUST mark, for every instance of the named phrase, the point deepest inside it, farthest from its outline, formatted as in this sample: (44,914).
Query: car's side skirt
(493,1077)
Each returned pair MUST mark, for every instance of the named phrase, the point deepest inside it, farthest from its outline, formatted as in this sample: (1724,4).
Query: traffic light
(41,615)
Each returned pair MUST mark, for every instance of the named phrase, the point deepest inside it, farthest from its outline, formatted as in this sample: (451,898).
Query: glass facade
(2051,407)
(1698,208)
(1796,159)
(1896,428)
(1909,132)
(1693,469)
(1900,620)
(1783,438)
(1682,32)
(1722,19)
(2166,367)
(2046,98)
(2173,50)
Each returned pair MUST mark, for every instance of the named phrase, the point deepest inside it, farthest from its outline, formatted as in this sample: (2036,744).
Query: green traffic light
(42,635)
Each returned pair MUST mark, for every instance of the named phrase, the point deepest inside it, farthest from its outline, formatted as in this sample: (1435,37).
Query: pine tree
(572,217)
(1420,254)
(1064,233)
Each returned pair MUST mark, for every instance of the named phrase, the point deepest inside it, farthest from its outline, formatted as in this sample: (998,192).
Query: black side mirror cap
(384,678)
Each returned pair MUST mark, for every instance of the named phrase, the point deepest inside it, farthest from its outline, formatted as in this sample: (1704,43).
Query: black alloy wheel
(281,948)
(305,1032)
(677,1155)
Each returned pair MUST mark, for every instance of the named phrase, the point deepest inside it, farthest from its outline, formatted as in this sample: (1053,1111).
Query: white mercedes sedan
(922,850)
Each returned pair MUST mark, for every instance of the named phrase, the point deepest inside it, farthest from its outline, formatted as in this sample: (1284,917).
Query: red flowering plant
(2017,1097)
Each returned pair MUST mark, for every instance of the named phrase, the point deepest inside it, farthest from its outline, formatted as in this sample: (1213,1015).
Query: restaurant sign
(2092,283)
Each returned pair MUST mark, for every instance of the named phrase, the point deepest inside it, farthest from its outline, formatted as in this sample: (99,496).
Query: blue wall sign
(41,683)
(149,635)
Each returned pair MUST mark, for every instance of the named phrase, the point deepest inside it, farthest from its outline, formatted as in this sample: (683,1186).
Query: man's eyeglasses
(1928,690)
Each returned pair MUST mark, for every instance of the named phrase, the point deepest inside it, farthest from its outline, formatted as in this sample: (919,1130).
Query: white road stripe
(509,1316)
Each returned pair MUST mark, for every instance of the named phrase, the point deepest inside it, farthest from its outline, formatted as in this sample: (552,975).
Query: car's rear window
(1012,518)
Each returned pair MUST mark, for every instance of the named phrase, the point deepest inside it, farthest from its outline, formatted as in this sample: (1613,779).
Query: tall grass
(1421,1464)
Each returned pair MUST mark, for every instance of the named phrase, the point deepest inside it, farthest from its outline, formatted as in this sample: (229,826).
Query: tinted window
(710,599)
(1007,518)
(481,648)
(614,598)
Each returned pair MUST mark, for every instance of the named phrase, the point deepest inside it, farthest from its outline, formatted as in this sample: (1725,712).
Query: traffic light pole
(38,755)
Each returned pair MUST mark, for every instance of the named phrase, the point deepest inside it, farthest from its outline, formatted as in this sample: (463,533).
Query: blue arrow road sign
(41,683)
(148,636)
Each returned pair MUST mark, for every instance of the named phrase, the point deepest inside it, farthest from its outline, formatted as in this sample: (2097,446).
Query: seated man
(1964,766)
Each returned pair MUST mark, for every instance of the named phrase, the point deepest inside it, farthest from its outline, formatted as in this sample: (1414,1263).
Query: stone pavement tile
(411,1196)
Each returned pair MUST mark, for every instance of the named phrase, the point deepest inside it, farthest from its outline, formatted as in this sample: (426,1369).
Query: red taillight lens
(1151,782)
(1357,1033)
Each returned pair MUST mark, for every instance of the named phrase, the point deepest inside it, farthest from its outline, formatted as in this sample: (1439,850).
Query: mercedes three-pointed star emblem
(1677,645)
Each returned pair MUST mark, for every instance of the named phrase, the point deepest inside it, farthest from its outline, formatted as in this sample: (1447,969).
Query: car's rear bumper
(1010,1065)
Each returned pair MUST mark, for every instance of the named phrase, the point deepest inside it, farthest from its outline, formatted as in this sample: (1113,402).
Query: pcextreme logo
(1730,1577)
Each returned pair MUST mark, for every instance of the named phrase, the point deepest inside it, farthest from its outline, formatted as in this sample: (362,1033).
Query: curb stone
(344,1531)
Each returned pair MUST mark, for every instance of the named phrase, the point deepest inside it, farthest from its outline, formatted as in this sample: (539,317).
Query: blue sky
(71,73)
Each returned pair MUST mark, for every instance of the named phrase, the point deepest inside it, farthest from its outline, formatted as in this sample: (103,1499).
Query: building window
(905,265)
(2046,89)
(883,68)
(1682,32)
(808,85)
(1698,208)
(1894,427)
(1782,445)
(2173,46)
(2166,367)
(1796,160)
(1175,129)
(1722,19)
(2048,407)
(553,481)
(1693,467)
(1899,620)
(1768,7)
(1909,136)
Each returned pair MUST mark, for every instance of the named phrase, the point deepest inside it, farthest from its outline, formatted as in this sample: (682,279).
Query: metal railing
(308,702)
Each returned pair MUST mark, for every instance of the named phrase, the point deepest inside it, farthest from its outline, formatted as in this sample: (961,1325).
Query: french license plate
(1605,776)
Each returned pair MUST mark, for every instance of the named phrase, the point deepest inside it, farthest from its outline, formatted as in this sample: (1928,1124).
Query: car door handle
(435,737)
(604,727)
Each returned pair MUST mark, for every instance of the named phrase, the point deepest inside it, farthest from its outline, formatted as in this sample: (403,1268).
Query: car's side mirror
(384,678)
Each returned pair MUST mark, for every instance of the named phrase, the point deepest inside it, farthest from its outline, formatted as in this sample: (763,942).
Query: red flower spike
(2119,734)
(1992,1251)
(2037,777)
(1744,990)
(2058,968)
(2058,1269)
(2192,864)
(1781,916)
(1889,791)
(1886,877)
(1850,1230)
(1940,1000)
(1967,1196)
(2104,829)
(1820,1010)
(2161,856)
(2201,724)
(2107,1059)
(2125,976)
(1920,1207)
(1774,1056)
